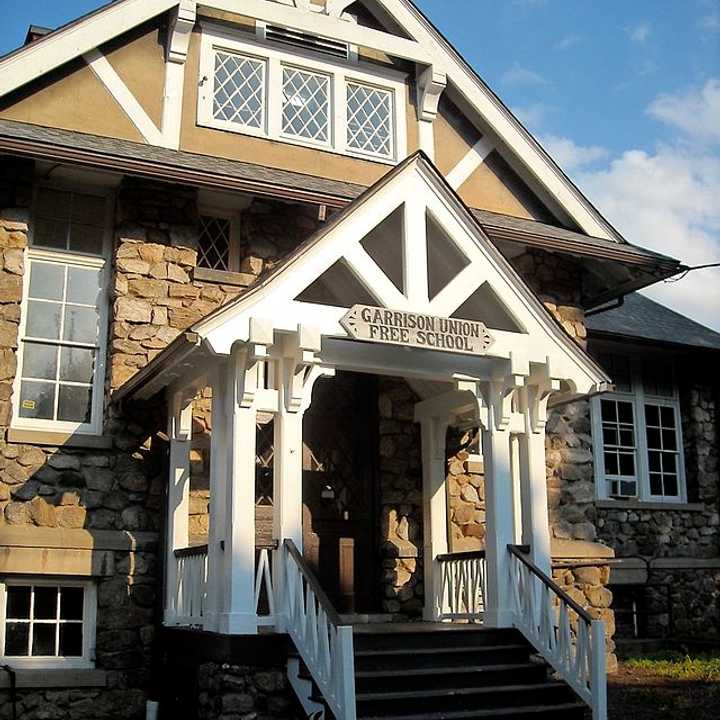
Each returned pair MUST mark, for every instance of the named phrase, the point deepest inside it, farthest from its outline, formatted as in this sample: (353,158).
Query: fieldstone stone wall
(231,692)
(466,494)
(401,501)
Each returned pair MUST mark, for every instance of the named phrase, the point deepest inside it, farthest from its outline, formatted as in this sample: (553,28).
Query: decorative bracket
(537,396)
(181,411)
(300,369)
(182,23)
(482,411)
(431,84)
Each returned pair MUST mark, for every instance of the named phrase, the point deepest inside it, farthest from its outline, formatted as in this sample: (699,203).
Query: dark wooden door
(339,490)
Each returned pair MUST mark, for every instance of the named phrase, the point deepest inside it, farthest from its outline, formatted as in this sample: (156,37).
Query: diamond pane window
(239,90)
(662,445)
(306,105)
(214,242)
(369,119)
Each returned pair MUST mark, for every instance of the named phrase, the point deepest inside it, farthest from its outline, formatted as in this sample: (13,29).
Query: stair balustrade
(461,586)
(323,642)
(562,631)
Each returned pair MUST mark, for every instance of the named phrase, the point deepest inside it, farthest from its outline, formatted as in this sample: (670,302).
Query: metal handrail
(519,552)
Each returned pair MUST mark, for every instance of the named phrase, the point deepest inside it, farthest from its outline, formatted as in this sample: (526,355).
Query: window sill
(223,277)
(46,678)
(649,505)
(59,439)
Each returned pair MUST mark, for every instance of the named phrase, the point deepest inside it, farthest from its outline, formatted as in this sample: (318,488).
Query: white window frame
(638,397)
(87,260)
(215,37)
(234,246)
(89,623)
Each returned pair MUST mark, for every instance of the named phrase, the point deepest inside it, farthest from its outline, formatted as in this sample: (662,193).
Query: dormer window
(288,95)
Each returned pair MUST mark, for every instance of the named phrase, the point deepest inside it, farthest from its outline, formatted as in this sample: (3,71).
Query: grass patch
(699,667)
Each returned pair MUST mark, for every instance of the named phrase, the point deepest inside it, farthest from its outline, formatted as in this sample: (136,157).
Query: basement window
(291,95)
(218,241)
(47,624)
(637,436)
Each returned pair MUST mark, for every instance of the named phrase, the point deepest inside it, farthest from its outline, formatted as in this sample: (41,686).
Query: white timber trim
(75,40)
(470,163)
(178,42)
(105,72)
(319,24)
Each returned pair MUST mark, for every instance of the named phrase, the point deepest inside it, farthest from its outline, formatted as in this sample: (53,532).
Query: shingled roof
(642,318)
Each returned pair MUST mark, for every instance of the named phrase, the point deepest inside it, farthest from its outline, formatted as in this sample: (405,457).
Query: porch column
(499,502)
(178,495)
(239,615)
(218,485)
(434,434)
(533,478)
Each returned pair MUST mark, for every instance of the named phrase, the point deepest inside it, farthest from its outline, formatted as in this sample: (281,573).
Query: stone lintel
(55,439)
(55,679)
(640,506)
(579,550)
(61,538)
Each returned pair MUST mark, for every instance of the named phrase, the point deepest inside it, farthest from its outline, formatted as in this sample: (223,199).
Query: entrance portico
(403,283)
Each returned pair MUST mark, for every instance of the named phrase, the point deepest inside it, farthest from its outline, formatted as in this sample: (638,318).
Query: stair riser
(439,659)
(452,680)
(449,702)
(437,639)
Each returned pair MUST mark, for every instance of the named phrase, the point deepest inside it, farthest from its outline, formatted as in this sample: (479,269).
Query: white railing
(264,590)
(460,594)
(323,642)
(191,588)
(571,641)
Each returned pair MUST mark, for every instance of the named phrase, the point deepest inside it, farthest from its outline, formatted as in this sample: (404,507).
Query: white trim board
(470,163)
(114,84)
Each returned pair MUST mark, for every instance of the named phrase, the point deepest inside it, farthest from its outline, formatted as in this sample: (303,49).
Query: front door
(339,490)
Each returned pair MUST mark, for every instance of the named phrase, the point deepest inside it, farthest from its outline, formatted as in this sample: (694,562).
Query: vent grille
(295,38)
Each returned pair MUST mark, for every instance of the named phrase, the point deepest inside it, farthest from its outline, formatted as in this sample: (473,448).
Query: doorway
(340,490)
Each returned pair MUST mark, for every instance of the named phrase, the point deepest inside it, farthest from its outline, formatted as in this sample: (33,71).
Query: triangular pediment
(408,244)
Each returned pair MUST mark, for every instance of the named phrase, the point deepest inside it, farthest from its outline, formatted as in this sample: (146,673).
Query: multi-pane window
(369,119)
(256,89)
(636,431)
(62,333)
(239,90)
(218,243)
(47,623)
(306,104)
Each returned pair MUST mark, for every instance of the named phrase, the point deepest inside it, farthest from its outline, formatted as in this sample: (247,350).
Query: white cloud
(696,112)
(639,33)
(518,75)
(667,201)
(533,115)
(567,42)
(570,156)
(711,23)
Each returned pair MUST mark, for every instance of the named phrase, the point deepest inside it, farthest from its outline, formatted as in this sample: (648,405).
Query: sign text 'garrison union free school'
(397,327)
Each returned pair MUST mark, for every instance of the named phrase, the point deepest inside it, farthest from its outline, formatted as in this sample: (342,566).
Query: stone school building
(323,391)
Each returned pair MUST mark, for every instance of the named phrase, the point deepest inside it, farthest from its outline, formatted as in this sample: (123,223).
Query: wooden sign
(397,327)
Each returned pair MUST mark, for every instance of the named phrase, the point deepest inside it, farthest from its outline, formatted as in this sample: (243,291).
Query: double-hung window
(637,435)
(253,88)
(47,623)
(61,373)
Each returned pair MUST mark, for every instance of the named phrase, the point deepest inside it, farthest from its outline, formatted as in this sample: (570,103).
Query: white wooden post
(178,495)
(434,434)
(533,478)
(239,617)
(598,676)
(218,485)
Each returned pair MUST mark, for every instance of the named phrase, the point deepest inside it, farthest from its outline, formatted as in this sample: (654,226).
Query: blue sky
(625,96)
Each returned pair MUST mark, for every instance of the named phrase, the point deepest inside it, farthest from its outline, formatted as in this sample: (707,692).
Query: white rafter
(373,278)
